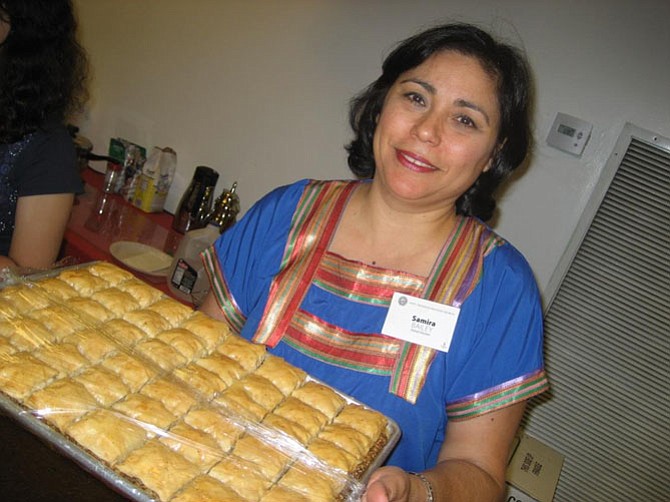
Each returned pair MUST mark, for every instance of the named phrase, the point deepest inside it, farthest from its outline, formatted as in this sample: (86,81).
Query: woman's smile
(414,162)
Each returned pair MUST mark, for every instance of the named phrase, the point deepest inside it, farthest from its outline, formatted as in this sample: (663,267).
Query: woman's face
(437,131)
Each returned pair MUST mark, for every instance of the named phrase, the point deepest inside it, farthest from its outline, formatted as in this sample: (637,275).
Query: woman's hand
(389,484)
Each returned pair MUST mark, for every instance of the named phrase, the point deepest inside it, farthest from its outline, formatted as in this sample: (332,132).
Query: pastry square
(292,429)
(369,422)
(6,348)
(148,321)
(160,353)
(7,309)
(107,435)
(207,489)
(123,332)
(172,310)
(297,411)
(240,404)
(228,370)
(314,485)
(152,461)
(271,461)
(116,301)
(183,341)
(248,354)
(194,445)
(102,384)
(63,357)
(242,476)
(83,281)
(285,376)
(55,288)
(59,320)
(132,370)
(92,344)
(261,390)
(175,397)
(90,311)
(109,272)
(318,396)
(222,428)
(200,380)
(350,440)
(27,334)
(146,410)
(61,402)
(141,291)
(210,330)
(24,298)
(21,374)
(332,455)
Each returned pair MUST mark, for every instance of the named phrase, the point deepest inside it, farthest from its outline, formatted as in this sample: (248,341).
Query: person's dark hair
(504,63)
(42,66)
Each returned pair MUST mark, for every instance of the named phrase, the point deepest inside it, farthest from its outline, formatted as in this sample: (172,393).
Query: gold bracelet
(430,495)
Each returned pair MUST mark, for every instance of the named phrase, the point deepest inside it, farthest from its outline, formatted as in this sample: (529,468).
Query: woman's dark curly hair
(42,66)
(504,63)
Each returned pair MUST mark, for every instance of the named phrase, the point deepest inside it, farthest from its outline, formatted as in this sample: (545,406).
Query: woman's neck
(391,235)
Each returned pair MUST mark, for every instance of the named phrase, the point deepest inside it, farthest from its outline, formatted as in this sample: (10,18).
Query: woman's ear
(494,155)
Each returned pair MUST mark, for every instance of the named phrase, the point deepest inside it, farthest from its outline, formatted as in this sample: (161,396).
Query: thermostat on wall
(569,134)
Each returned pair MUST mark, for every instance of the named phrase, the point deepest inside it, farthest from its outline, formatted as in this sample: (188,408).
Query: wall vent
(607,331)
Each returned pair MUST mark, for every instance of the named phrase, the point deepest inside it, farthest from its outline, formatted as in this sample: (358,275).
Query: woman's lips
(414,162)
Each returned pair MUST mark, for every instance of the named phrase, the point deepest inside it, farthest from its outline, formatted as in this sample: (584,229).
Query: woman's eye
(466,121)
(415,98)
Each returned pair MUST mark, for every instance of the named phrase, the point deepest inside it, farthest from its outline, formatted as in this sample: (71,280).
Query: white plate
(140,257)
(99,166)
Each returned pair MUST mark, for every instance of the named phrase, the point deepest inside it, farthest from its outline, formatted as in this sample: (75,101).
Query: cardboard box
(533,471)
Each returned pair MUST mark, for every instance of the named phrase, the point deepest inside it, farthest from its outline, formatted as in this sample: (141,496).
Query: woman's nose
(426,128)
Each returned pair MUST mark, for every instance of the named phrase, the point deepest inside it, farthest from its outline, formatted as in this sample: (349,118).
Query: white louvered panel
(608,344)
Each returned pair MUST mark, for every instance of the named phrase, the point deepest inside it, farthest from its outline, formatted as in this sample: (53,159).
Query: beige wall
(258,89)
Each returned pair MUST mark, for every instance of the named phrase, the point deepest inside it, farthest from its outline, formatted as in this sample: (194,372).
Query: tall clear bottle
(187,278)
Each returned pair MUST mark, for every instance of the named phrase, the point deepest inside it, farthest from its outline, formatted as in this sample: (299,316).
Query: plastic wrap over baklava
(169,401)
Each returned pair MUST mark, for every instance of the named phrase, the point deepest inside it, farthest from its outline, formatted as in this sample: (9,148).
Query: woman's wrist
(427,485)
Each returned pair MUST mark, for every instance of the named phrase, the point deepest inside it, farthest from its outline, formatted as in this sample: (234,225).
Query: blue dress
(495,358)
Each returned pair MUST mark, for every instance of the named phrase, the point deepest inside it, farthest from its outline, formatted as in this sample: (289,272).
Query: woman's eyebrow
(429,88)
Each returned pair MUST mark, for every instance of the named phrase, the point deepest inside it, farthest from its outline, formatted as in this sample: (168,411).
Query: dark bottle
(196,202)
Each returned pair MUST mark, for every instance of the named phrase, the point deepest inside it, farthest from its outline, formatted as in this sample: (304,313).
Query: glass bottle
(196,201)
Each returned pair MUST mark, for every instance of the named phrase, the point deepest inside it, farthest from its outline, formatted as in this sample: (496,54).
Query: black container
(196,203)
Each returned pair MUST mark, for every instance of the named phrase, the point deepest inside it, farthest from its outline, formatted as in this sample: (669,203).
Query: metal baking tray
(106,474)
(72,451)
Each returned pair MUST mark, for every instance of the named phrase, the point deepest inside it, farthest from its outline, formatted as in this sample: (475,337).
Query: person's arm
(39,228)
(211,308)
(471,465)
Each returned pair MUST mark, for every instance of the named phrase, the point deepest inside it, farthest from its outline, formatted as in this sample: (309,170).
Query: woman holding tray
(391,288)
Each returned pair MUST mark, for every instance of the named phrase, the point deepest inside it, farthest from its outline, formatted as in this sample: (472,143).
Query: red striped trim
(365,352)
(500,396)
(224,297)
(307,244)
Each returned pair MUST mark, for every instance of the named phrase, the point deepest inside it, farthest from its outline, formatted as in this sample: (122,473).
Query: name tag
(421,321)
